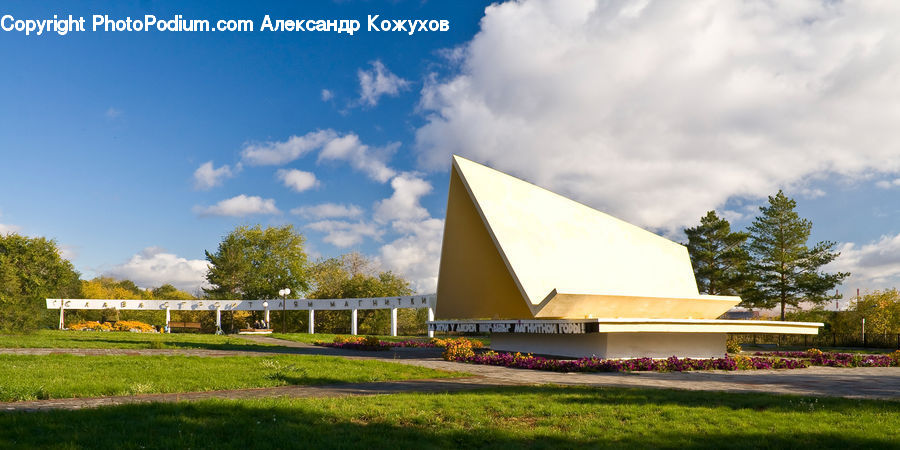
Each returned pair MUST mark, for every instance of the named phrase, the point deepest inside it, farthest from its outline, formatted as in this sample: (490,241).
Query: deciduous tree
(353,276)
(31,270)
(255,263)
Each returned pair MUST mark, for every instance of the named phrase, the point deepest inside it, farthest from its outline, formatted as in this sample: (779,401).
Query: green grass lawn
(29,377)
(520,417)
(121,339)
(325,337)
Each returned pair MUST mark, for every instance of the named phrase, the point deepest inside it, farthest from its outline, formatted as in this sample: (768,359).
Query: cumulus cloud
(328,211)
(208,176)
(377,82)
(811,193)
(875,265)
(297,180)
(277,153)
(345,234)
(403,204)
(659,111)
(332,146)
(366,159)
(327,95)
(154,267)
(887,184)
(416,254)
(6,228)
(239,206)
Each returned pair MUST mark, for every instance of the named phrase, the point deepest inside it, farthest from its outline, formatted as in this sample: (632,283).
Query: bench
(185,325)
(255,331)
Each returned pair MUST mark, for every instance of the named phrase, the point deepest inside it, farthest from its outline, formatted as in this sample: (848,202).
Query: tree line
(768,265)
(251,262)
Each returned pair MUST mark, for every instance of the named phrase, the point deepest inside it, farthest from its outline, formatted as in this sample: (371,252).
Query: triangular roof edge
(512,273)
(563,197)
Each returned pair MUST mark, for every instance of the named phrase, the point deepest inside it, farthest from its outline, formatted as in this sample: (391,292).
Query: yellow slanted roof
(514,250)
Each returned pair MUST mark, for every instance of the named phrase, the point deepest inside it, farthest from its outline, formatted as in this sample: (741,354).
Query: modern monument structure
(546,274)
(542,274)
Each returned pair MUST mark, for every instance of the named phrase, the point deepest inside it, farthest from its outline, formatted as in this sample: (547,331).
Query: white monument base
(614,345)
(618,338)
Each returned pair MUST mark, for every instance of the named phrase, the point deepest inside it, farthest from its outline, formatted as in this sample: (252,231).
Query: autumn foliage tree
(353,276)
(255,263)
(31,270)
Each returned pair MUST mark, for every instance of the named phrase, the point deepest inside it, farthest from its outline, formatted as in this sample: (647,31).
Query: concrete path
(861,382)
(858,382)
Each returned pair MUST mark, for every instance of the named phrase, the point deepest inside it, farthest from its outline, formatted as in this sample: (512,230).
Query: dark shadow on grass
(235,424)
(730,400)
(804,381)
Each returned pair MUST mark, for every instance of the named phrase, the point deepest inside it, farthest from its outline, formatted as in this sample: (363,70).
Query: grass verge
(30,377)
(519,417)
(119,339)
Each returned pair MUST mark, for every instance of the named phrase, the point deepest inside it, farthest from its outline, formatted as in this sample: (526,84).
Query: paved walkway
(861,382)
(858,382)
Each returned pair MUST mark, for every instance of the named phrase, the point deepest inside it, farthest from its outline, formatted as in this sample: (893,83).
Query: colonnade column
(393,321)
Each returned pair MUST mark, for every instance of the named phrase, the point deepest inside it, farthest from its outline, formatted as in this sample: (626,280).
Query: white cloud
(277,153)
(6,228)
(403,204)
(113,113)
(297,180)
(207,176)
(331,146)
(328,211)
(369,160)
(887,184)
(239,206)
(153,267)
(327,95)
(811,193)
(660,111)
(377,82)
(415,255)
(732,216)
(875,265)
(346,234)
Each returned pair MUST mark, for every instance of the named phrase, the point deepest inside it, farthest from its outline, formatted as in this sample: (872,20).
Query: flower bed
(817,357)
(372,343)
(672,364)
(123,325)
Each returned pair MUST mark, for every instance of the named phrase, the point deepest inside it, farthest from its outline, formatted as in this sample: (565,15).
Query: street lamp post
(284,293)
(266,306)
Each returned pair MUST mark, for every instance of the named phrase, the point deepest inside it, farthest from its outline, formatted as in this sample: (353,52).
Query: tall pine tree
(718,255)
(786,271)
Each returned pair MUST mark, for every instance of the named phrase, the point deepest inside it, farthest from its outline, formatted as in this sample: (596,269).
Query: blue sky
(137,151)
